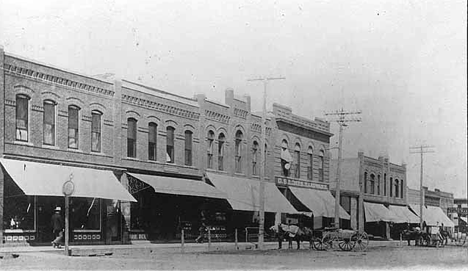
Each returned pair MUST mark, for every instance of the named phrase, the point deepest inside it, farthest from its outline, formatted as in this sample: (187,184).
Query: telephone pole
(421,149)
(342,122)
(261,224)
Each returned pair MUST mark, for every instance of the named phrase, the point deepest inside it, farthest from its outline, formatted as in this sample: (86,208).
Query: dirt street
(376,258)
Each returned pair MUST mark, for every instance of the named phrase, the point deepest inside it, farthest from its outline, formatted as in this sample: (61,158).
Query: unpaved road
(406,258)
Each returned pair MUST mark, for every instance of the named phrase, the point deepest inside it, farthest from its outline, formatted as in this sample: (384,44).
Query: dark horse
(411,235)
(292,233)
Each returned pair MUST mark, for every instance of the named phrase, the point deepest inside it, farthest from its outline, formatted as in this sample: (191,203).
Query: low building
(373,191)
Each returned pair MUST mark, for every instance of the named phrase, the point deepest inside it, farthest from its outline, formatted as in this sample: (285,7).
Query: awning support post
(182,240)
(235,238)
(67,225)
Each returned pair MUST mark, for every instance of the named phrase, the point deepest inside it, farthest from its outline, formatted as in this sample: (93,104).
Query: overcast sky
(402,63)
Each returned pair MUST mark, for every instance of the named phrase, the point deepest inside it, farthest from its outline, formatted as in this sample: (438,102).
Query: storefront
(243,196)
(33,190)
(166,204)
(313,198)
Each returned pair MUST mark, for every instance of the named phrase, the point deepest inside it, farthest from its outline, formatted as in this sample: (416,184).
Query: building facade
(169,153)
(368,184)
(436,198)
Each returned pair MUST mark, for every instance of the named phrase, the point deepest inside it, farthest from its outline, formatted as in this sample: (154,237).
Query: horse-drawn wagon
(325,239)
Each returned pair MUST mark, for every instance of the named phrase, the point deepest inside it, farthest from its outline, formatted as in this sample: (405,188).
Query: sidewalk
(167,248)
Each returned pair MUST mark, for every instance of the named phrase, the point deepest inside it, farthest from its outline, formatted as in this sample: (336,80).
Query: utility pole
(421,149)
(342,122)
(261,224)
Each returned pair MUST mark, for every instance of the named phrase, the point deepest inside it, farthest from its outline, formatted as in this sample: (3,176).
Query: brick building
(373,191)
(144,162)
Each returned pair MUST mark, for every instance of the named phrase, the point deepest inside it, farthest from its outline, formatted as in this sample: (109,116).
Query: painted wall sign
(284,181)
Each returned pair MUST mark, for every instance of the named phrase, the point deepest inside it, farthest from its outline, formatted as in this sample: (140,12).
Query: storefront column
(387,230)
(354,213)
(125,207)
(361,214)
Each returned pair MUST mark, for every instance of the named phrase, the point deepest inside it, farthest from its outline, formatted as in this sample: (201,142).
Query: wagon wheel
(327,241)
(361,241)
(346,244)
(319,245)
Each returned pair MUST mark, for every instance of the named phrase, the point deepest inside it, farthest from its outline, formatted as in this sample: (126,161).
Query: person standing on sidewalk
(57,227)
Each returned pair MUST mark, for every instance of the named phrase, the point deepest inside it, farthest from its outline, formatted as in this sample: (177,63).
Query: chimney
(247,101)
(229,97)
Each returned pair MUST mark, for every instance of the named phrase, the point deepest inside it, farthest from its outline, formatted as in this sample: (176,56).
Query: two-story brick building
(373,191)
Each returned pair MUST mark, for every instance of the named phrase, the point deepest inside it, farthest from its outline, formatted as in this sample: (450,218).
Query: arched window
(391,187)
(209,149)
(372,184)
(365,182)
(385,184)
(96,131)
(238,151)
(321,166)
(188,148)
(131,137)
(49,123)
(378,184)
(396,188)
(73,126)
(254,158)
(401,189)
(310,163)
(221,141)
(265,153)
(170,144)
(297,158)
(22,117)
(152,141)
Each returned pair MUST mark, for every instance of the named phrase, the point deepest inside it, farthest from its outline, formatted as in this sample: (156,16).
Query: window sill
(98,153)
(74,150)
(96,231)
(52,147)
(25,143)
(240,174)
(131,159)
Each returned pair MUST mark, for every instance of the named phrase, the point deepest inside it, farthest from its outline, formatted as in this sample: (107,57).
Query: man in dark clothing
(57,227)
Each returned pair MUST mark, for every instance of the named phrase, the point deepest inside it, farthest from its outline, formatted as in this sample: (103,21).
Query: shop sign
(463,210)
(284,181)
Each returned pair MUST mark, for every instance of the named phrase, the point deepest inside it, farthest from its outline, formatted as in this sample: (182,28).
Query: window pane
(49,123)
(170,145)
(85,214)
(96,132)
(96,142)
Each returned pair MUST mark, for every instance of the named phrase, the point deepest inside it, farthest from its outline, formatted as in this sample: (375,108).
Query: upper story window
(152,141)
(310,163)
(365,182)
(321,166)
(49,123)
(188,148)
(265,153)
(96,131)
(297,158)
(209,149)
(401,189)
(22,117)
(221,141)
(396,188)
(131,137)
(378,184)
(238,151)
(391,187)
(73,126)
(170,144)
(372,184)
(385,184)
(286,158)
(255,158)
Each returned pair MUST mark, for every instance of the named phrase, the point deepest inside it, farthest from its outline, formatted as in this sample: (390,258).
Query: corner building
(146,163)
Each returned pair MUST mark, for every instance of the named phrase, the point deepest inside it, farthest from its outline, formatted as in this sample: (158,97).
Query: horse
(292,233)
(409,235)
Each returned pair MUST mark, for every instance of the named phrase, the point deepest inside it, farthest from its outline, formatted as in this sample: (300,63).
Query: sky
(402,63)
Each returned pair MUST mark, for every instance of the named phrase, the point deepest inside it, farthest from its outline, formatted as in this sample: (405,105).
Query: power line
(422,149)
(343,119)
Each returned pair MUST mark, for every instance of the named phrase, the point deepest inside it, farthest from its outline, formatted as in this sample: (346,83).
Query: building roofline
(280,119)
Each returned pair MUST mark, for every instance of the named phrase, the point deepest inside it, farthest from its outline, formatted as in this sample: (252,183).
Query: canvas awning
(403,214)
(41,179)
(375,212)
(464,219)
(179,186)
(320,202)
(433,215)
(243,194)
